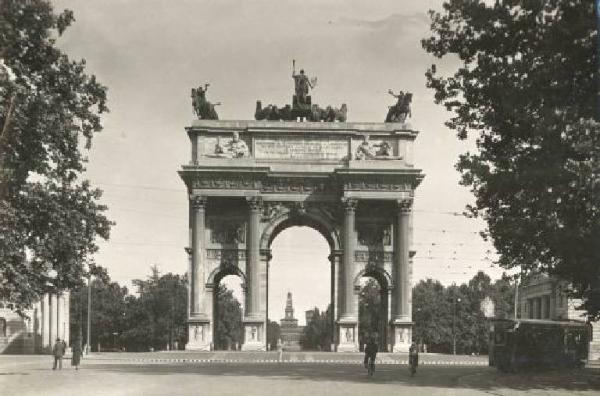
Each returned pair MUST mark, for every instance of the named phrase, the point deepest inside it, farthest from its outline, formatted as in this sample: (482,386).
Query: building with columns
(37,333)
(249,180)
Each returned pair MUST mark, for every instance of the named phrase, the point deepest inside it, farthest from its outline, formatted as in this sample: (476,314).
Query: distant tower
(289,309)
(290,331)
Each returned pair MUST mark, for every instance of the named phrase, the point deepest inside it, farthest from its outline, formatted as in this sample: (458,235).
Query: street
(105,375)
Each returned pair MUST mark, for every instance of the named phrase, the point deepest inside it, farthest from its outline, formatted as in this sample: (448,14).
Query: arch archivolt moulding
(377,272)
(321,216)
(225,262)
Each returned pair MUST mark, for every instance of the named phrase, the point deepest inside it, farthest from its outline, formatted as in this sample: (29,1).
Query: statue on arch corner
(401,110)
(203,109)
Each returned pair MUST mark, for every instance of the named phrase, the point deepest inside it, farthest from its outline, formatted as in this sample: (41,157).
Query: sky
(149,53)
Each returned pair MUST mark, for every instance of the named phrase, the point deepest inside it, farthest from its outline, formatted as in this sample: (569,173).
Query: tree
(49,217)
(432,312)
(371,315)
(158,317)
(228,321)
(527,88)
(108,313)
(318,332)
(273,334)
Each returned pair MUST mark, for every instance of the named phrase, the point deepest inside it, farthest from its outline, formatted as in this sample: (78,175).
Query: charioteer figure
(301,104)
(401,110)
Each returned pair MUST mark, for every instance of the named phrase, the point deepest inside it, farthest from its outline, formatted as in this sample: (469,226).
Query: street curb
(267,361)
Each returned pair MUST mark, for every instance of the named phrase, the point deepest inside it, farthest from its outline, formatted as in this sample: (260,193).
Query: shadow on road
(477,378)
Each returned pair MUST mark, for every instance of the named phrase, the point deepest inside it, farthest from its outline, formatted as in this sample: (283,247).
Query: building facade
(544,297)
(47,320)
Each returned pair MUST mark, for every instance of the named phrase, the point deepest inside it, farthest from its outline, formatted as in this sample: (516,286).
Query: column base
(347,336)
(402,336)
(254,335)
(199,337)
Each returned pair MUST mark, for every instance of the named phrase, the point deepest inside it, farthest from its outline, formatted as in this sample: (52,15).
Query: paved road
(32,375)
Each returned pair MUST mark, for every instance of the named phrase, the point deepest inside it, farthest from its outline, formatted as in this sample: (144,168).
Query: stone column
(198,321)
(51,319)
(402,320)
(348,309)
(59,315)
(254,322)
(335,258)
(45,322)
(196,277)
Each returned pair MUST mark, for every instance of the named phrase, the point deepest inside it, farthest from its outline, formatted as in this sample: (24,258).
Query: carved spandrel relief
(227,232)
(374,235)
(374,150)
(229,148)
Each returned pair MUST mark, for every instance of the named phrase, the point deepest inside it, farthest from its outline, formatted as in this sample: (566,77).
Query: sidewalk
(288,357)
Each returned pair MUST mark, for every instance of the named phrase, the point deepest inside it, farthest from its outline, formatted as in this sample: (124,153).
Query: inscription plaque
(301,148)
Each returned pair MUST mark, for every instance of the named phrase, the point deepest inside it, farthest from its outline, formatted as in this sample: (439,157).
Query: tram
(516,344)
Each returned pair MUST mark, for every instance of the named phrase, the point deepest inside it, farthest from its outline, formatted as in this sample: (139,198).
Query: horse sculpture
(401,110)
(203,109)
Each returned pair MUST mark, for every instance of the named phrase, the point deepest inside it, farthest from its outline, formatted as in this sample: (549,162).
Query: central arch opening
(299,290)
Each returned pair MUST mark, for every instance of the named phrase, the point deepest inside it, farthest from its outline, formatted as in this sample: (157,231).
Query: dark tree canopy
(526,88)
(228,319)
(49,111)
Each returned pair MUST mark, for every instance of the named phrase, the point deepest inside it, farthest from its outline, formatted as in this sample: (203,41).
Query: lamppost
(89,318)
(454,325)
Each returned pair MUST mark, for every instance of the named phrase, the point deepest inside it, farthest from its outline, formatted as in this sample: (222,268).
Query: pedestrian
(371,349)
(77,353)
(413,358)
(58,351)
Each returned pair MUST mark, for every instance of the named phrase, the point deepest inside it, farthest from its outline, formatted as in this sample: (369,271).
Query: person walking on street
(370,354)
(77,353)
(58,351)
(413,358)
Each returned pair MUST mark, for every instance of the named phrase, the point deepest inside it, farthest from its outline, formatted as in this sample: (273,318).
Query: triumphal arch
(352,182)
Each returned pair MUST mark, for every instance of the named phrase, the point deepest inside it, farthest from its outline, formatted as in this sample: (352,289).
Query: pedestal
(402,336)
(199,337)
(347,336)
(254,335)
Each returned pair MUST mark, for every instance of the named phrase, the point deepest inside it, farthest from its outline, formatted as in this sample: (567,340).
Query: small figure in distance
(413,358)
(58,351)
(77,353)
(371,350)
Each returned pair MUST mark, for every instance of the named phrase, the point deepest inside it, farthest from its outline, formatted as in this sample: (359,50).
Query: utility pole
(89,312)
(454,326)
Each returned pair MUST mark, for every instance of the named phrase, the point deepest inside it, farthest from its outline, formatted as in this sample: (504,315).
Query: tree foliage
(49,111)
(156,318)
(372,314)
(442,313)
(228,319)
(526,87)
(317,335)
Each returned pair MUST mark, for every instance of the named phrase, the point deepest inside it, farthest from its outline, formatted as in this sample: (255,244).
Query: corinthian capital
(198,202)
(405,205)
(255,203)
(349,204)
